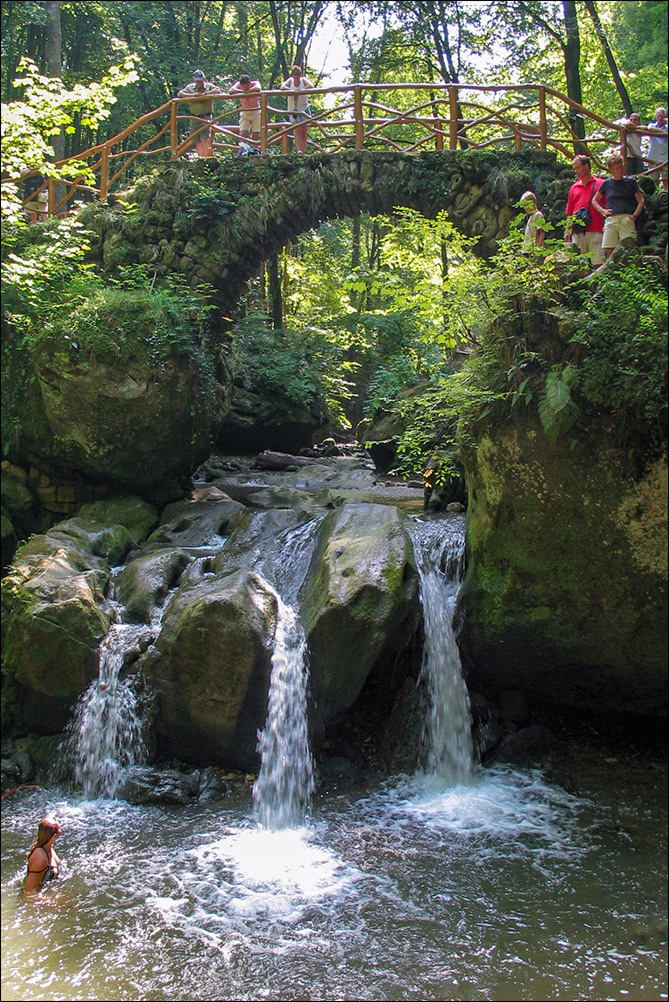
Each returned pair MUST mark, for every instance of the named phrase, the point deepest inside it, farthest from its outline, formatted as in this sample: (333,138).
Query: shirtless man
(247,91)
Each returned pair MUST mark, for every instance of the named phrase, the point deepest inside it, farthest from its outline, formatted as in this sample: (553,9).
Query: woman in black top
(43,861)
(624,203)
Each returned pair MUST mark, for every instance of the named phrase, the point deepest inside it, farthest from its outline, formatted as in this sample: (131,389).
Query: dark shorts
(196,124)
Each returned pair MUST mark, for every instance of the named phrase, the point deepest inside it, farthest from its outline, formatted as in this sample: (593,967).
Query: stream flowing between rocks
(455,882)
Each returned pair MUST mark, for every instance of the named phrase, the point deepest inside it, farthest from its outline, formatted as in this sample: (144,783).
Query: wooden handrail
(448,123)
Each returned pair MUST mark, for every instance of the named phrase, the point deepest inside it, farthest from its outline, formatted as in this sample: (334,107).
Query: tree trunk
(355,246)
(274,283)
(54,68)
(572,57)
(610,58)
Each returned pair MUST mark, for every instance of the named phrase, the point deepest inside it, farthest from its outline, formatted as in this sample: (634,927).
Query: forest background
(364,309)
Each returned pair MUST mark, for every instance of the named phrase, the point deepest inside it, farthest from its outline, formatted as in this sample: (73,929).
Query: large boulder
(361,603)
(566,591)
(126,425)
(260,420)
(211,667)
(118,391)
(54,616)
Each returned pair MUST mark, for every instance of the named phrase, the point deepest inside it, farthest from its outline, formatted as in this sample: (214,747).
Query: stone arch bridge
(216,221)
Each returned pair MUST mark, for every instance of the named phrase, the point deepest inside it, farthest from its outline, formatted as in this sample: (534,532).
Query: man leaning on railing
(201,108)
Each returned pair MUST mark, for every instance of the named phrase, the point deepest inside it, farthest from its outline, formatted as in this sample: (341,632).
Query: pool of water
(509,887)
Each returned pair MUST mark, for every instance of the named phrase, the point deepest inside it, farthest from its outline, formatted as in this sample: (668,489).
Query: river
(509,887)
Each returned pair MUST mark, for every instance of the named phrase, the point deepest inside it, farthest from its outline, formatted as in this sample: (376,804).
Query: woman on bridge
(298,105)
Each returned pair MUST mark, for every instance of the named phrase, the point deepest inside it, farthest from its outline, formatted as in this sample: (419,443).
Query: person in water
(42,859)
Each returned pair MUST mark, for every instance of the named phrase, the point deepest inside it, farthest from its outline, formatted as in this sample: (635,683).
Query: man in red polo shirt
(580,193)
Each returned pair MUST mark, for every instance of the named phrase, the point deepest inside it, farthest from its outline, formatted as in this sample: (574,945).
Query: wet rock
(211,668)
(146,785)
(338,772)
(361,602)
(400,747)
(138,516)
(527,745)
(204,518)
(212,787)
(144,583)
(55,614)
(513,706)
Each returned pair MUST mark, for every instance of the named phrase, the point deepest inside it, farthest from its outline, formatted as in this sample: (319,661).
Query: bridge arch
(216,221)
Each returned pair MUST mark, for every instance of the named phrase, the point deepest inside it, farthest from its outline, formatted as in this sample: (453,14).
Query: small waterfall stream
(439,552)
(105,734)
(285,783)
(283,789)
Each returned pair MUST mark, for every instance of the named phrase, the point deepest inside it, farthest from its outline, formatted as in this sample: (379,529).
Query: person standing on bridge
(201,108)
(298,105)
(657,149)
(589,239)
(633,151)
(247,90)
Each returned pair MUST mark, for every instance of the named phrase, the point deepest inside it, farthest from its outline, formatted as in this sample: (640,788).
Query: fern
(557,408)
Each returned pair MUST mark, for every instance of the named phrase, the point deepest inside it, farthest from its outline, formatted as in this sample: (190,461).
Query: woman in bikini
(43,861)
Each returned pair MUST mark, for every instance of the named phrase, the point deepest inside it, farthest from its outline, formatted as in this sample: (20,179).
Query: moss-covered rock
(361,605)
(54,616)
(138,517)
(566,592)
(211,668)
(124,390)
(144,583)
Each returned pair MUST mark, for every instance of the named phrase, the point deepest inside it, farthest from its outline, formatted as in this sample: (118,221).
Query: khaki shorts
(249,120)
(590,243)
(616,229)
(657,171)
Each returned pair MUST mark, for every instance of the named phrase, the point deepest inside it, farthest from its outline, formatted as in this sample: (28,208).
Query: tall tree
(610,58)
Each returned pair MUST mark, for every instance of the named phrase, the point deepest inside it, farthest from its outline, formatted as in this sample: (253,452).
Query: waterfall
(285,782)
(105,734)
(439,553)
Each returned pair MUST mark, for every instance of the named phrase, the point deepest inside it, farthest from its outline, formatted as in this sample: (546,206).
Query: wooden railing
(359,116)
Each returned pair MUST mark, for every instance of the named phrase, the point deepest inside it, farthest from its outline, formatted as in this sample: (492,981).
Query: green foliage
(47,106)
(274,363)
(621,343)
(557,409)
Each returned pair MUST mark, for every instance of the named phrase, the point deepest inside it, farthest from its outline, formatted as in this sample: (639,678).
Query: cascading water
(106,733)
(450,754)
(285,782)
(282,791)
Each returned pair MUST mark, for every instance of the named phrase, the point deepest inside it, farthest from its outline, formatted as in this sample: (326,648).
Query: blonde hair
(528,194)
(615,159)
(48,827)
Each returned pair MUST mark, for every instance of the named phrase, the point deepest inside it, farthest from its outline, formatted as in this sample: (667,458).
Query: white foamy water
(105,734)
(439,553)
(285,781)
(507,887)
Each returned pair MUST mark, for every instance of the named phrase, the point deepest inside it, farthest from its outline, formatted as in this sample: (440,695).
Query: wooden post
(517,140)
(543,124)
(51,200)
(623,148)
(104,172)
(439,137)
(174,136)
(453,113)
(263,123)
(359,124)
